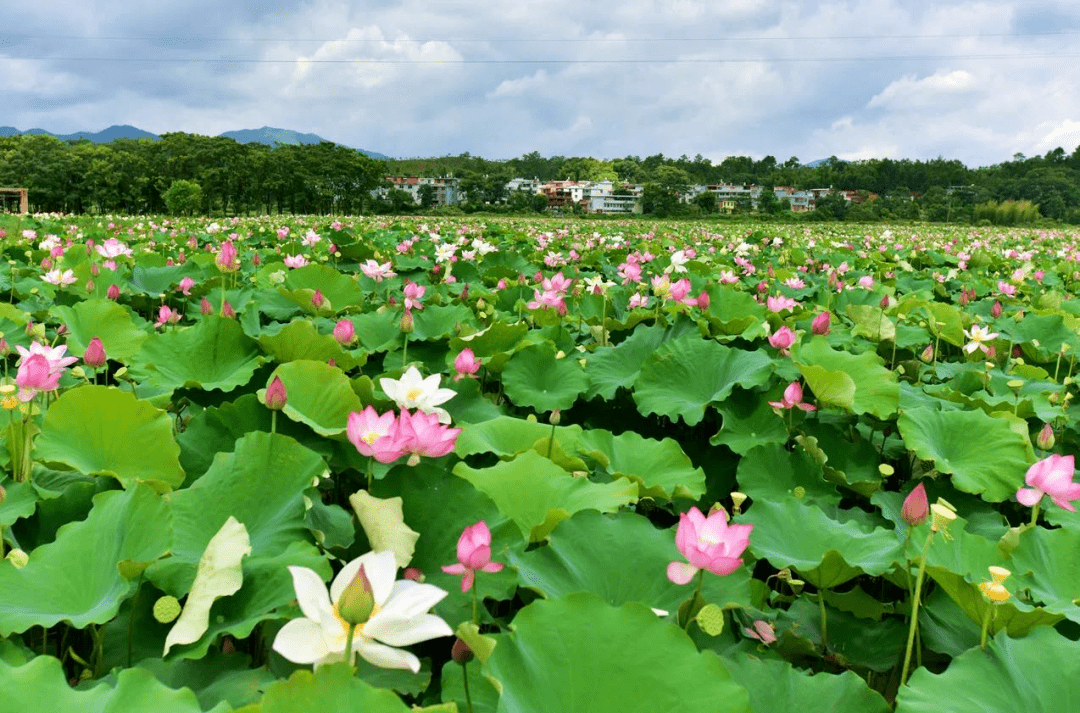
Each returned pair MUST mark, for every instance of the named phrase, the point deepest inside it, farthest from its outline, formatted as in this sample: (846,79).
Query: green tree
(428,195)
(183,197)
(707,202)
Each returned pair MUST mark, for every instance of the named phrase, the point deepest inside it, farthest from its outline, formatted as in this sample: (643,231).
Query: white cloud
(909,93)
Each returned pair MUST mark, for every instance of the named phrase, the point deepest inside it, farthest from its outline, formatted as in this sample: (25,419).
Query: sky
(974,81)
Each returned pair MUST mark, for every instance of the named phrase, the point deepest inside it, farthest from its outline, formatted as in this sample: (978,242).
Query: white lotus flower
(412,391)
(399,617)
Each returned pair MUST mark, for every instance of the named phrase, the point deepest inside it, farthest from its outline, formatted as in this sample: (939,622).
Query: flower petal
(301,641)
(402,631)
(412,598)
(380,568)
(681,572)
(310,592)
(1028,496)
(385,656)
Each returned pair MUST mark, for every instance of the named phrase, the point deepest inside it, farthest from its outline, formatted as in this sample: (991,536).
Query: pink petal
(1028,497)
(681,572)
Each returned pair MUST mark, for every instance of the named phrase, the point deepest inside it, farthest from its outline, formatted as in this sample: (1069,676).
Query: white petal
(391,387)
(398,631)
(380,568)
(386,657)
(310,592)
(408,598)
(301,641)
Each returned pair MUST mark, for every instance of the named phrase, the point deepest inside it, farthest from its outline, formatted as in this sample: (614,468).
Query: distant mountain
(266,135)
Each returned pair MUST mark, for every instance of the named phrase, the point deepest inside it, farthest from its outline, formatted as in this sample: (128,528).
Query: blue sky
(975,81)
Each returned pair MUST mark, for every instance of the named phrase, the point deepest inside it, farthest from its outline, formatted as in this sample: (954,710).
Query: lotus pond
(309,464)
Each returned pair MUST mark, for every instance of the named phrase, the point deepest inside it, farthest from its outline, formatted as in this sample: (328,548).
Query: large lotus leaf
(853,641)
(213,354)
(219,575)
(482,693)
(959,564)
(155,280)
(537,494)
(441,321)
(685,375)
(319,395)
(1042,568)
(340,289)
(947,323)
(329,688)
(440,507)
(871,322)
(620,559)
(20,501)
(1048,329)
(498,340)
(776,685)
(261,484)
(858,383)
(826,551)
(42,685)
(104,319)
(378,331)
(1039,673)
(133,443)
(610,368)
(509,436)
(578,653)
(76,577)
(535,377)
(749,421)
(299,340)
(732,311)
(218,677)
(660,468)
(984,454)
(771,472)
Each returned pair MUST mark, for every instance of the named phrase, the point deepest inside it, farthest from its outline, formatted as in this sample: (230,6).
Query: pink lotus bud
(95,354)
(95,270)
(461,653)
(61,330)
(89,285)
(113,292)
(927,355)
(256,260)
(345,332)
(205,307)
(466,364)
(331,362)
(916,507)
(276,396)
(474,555)
(820,325)
(407,322)
(46,264)
(227,257)
(501,284)
(1045,439)
(995,311)
(782,339)
(703,300)
(884,304)
(5,348)
(227,311)
(317,299)
(413,574)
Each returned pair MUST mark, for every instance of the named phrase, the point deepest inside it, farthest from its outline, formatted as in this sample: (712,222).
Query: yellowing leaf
(384,525)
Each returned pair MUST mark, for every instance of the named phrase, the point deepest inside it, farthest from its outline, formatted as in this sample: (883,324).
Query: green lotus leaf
(261,484)
(660,468)
(775,685)
(771,472)
(482,693)
(947,323)
(590,553)
(536,378)
(852,641)
(330,688)
(537,494)
(1040,568)
(319,395)
(75,578)
(216,678)
(20,501)
(42,685)
(1039,673)
(155,280)
(299,340)
(732,311)
(134,444)
(579,653)
(749,421)
(984,454)
(439,507)
(610,368)
(340,289)
(509,436)
(501,338)
(441,321)
(686,375)
(213,354)
(828,551)
(871,322)
(104,319)
(859,383)
(219,575)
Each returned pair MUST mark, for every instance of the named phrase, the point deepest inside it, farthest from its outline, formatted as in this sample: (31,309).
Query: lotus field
(307,464)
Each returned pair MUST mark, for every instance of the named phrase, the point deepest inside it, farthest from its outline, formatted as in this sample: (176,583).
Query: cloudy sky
(975,81)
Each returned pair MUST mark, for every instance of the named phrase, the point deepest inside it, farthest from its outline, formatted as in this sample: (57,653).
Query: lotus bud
(927,355)
(820,325)
(95,354)
(916,507)
(3,495)
(461,653)
(345,332)
(555,418)
(413,574)
(995,311)
(227,311)
(205,307)
(357,601)
(113,292)
(5,349)
(89,285)
(1045,439)
(317,299)
(407,322)
(276,396)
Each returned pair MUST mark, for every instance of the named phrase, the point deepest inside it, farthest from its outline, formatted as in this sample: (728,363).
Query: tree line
(190,173)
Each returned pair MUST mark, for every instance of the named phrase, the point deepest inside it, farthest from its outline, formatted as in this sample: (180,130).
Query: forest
(190,173)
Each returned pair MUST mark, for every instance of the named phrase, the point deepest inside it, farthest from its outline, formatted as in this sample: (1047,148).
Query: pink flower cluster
(388,437)
(551,295)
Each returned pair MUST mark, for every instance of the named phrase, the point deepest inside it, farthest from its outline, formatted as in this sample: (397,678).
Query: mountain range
(266,135)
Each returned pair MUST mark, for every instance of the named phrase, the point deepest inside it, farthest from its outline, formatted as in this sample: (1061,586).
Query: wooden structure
(24,204)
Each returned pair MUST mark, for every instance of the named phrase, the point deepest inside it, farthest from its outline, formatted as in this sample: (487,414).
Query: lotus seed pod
(711,619)
(166,609)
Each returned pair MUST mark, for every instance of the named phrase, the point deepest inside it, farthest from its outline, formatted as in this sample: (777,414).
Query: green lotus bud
(357,601)
(1045,440)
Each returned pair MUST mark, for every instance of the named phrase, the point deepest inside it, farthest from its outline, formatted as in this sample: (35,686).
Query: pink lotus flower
(295,261)
(466,364)
(708,543)
(421,434)
(413,294)
(226,259)
(375,436)
(375,271)
(185,286)
(779,303)
(166,315)
(36,374)
(1051,476)
(820,325)
(474,555)
(344,332)
(793,399)
(782,339)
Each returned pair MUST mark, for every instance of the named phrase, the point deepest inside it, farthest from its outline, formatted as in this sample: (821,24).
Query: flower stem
(985,624)
(465,681)
(475,604)
(1035,515)
(551,440)
(824,620)
(915,608)
(273,422)
(405,351)
(348,645)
